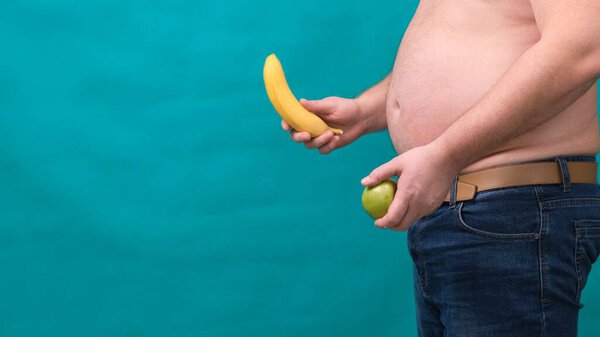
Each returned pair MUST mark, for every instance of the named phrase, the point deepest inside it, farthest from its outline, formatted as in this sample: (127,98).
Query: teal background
(146,188)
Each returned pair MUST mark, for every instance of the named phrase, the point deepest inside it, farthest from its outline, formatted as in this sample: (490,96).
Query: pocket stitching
(581,233)
(490,235)
(577,259)
(593,230)
(570,202)
(581,223)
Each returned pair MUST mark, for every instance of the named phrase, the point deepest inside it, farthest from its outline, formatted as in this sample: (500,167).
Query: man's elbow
(581,53)
(586,56)
(591,62)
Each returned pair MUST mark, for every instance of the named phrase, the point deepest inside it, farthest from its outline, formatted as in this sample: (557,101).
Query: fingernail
(365,180)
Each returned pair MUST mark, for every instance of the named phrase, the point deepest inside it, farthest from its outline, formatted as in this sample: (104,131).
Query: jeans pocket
(587,250)
(498,223)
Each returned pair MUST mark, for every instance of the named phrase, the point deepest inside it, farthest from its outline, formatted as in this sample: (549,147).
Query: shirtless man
(478,84)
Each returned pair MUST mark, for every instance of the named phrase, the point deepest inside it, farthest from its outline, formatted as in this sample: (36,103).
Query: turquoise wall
(147,190)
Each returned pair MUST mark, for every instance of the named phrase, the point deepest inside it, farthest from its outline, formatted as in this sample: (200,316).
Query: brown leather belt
(522,174)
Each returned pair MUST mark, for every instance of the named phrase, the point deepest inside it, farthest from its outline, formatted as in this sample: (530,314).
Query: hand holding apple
(425,174)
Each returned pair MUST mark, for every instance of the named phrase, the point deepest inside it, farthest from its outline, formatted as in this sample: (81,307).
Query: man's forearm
(543,82)
(372,105)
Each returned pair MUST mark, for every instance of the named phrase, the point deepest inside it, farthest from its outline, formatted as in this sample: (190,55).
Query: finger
(310,105)
(300,137)
(382,173)
(395,214)
(332,145)
(409,218)
(320,140)
(285,125)
(318,106)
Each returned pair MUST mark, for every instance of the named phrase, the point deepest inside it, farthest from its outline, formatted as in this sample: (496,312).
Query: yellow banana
(286,104)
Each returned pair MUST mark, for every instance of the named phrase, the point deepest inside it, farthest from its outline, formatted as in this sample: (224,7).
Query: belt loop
(564,171)
(453,191)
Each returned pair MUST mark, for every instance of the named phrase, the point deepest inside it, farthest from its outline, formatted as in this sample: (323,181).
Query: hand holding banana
(308,121)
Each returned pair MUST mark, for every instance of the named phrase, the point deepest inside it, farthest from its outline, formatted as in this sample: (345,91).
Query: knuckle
(409,192)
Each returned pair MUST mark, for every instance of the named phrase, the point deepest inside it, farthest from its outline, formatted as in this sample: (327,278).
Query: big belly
(440,72)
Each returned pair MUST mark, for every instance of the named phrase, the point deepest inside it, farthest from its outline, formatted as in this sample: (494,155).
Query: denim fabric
(510,262)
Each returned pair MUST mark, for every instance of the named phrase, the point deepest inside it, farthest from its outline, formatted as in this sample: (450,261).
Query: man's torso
(452,53)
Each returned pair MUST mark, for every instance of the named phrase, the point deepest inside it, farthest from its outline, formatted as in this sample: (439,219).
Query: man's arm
(545,80)
(372,105)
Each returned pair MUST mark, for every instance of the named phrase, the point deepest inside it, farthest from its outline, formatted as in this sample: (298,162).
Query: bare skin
(476,84)
(453,52)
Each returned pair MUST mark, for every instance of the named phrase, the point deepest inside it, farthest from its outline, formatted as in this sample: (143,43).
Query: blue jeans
(510,262)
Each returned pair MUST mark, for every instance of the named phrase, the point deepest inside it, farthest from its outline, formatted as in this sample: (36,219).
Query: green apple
(376,199)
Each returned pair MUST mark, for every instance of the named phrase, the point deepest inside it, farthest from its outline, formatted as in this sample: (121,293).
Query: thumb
(319,106)
(383,172)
